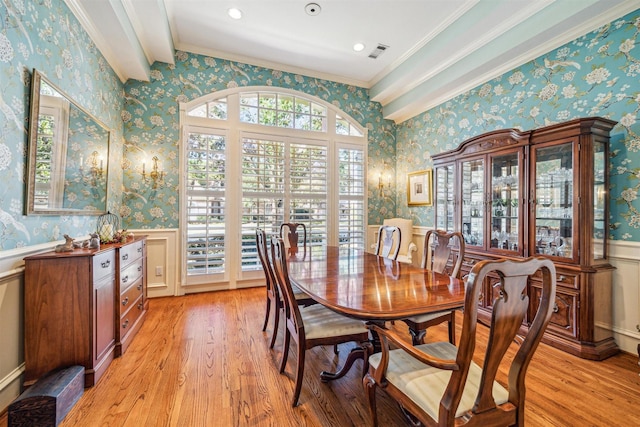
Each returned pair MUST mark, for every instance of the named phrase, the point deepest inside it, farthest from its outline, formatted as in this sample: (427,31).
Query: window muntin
(345,127)
(216,109)
(282,110)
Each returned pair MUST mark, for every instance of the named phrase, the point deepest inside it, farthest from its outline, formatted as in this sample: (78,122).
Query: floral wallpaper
(151,119)
(594,75)
(45,35)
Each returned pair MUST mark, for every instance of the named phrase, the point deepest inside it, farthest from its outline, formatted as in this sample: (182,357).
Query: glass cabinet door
(473,202)
(445,202)
(554,207)
(505,196)
(599,201)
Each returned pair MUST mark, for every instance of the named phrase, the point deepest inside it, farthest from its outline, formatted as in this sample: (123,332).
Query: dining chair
(440,250)
(274,298)
(385,241)
(440,384)
(310,326)
(289,232)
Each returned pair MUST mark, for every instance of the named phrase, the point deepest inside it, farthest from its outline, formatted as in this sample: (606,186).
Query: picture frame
(420,188)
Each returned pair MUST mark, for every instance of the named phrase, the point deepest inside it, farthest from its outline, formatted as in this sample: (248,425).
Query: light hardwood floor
(202,360)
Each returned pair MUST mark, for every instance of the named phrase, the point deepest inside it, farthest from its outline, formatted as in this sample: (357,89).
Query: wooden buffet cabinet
(543,192)
(83,307)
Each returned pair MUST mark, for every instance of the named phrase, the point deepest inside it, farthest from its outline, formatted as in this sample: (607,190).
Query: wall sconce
(95,172)
(381,184)
(156,175)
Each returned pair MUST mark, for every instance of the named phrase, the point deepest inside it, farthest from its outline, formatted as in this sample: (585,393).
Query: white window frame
(234,130)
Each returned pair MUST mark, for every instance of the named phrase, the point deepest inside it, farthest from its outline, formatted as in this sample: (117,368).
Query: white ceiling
(437,49)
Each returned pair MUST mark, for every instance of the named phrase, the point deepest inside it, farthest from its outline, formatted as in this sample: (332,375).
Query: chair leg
(266,316)
(276,324)
(299,373)
(417,336)
(452,328)
(285,349)
(370,390)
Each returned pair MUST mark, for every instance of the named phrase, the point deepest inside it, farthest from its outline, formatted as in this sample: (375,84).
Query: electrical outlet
(159,270)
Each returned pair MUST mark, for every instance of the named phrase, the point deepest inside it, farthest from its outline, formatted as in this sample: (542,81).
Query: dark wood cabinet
(83,307)
(517,194)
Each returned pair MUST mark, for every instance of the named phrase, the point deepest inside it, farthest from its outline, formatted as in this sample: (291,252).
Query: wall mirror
(68,155)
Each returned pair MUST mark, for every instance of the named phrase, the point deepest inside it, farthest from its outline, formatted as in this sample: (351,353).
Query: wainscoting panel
(163,261)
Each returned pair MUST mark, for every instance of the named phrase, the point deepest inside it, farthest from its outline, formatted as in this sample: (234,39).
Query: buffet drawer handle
(125,279)
(125,324)
(125,301)
(555,308)
(125,257)
(105,264)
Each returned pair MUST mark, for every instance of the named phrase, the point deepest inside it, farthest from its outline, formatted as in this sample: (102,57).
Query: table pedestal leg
(359,352)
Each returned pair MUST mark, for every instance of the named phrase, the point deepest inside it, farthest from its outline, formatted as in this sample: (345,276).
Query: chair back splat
(439,384)
(289,232)
(442,249)
(385,240)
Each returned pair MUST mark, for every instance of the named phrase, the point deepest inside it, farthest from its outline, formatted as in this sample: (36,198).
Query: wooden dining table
(365,286)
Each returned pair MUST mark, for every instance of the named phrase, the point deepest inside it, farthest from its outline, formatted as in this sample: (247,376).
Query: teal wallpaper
(594,75)
(44,34)
(151,119)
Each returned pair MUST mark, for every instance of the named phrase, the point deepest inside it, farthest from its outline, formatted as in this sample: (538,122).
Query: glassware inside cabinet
(505,202)
(445,206)
(554,200)
(473,202)
(599,201)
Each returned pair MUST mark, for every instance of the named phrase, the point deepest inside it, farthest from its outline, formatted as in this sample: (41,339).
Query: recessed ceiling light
(234,13)
(358,47)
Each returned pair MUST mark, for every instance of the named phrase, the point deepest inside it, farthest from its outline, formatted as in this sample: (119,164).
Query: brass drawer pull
(140,305)
(139,287)
(125,279)
(105,264)
(555,308)
(125,324)
(125,301)
(125,257)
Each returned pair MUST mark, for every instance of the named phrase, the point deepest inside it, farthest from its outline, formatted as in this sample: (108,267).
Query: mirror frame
(36,79)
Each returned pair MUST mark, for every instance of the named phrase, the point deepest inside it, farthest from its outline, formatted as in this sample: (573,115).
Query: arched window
(260,156)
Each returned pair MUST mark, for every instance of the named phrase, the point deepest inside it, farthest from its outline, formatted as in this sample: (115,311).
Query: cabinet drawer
(103,265)
(131,273)
(131,294)
(128,319)
(568,280)
(565,310)
(130,253)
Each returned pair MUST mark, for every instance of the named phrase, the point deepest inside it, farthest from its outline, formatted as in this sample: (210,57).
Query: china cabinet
(542,192)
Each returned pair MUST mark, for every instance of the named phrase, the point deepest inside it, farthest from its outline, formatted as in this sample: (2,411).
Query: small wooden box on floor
(48,401)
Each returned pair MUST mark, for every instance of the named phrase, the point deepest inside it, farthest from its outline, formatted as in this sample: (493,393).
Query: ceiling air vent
(379,50)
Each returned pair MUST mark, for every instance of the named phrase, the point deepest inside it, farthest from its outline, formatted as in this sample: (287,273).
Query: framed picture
(419,192)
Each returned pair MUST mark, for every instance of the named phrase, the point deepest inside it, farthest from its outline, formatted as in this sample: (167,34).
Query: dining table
(372,288)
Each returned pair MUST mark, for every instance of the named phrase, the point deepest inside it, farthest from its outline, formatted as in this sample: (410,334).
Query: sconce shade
(108,225)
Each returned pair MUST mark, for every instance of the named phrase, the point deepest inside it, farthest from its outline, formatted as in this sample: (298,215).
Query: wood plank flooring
(202,360)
